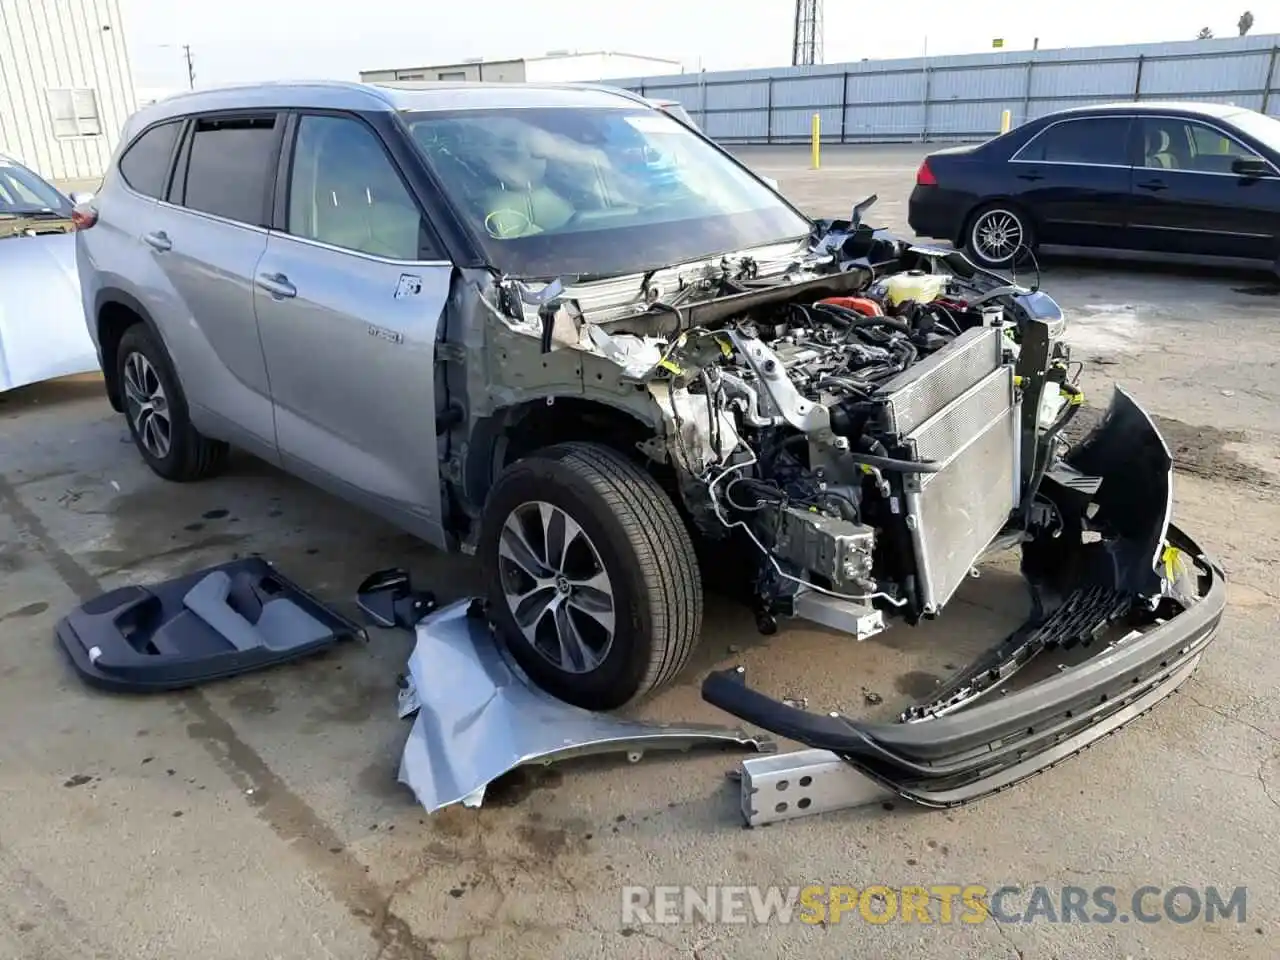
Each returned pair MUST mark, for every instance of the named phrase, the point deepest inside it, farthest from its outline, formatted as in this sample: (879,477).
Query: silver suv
(559,328)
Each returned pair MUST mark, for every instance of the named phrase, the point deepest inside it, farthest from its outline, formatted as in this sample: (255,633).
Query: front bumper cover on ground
(961,757)
(948,758)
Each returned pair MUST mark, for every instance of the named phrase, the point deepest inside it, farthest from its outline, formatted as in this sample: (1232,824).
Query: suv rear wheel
(592,578)
(156,410)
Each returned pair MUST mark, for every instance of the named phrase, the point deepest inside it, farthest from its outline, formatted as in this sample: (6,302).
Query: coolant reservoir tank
(914,285)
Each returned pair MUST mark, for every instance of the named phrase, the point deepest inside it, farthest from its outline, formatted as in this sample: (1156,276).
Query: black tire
(990,211)
(641,543)
(191,455)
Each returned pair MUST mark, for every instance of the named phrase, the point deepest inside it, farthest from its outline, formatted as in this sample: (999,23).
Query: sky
(246,40)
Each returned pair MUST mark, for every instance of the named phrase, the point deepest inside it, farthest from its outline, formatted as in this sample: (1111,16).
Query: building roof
(554,55)
(386,96)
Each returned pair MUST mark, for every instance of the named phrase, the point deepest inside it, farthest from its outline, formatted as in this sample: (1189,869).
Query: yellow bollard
(1006,121)
(817,140)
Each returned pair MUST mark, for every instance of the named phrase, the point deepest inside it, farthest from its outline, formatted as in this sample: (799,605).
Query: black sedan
(1169,180)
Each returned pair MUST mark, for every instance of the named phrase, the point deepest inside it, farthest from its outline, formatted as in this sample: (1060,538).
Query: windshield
(569,191)
(1264,129)
(23,193)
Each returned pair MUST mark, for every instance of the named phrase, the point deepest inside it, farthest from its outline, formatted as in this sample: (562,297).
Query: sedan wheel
(997,236)
(556,587)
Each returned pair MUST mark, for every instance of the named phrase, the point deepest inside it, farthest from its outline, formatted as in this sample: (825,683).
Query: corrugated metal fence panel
(806,92)
(1207,75)
(896,87)
(886,99)
(893,121)
(968,119)
(684,92)
(62,45)
(987,83)
(796,123)
(743,126)
(1113,79)
(753,95)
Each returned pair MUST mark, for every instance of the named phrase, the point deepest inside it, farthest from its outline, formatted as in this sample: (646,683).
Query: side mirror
(773,184)
(1252,167)
(81,196)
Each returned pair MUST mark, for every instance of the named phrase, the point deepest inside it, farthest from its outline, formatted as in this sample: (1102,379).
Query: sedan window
(1172,144)
(1089,140)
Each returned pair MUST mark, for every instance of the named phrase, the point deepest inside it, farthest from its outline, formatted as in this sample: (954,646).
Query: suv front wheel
(156,410)
(591,575)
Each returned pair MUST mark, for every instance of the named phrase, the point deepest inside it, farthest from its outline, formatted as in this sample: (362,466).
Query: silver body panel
(479,717)
(42,331)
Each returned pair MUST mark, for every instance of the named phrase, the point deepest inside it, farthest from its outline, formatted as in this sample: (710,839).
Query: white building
(558,66)
(65,84)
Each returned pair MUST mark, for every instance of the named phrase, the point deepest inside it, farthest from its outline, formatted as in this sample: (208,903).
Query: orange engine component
(862,305)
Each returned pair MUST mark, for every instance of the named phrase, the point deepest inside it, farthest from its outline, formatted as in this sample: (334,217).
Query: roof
(1157,106)
(383,97)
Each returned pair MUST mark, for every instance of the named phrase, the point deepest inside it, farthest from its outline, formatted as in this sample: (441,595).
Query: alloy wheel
(556,586)
(147,406)
(997,235)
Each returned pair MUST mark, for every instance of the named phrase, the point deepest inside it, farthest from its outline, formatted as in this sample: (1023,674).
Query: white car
(42,329)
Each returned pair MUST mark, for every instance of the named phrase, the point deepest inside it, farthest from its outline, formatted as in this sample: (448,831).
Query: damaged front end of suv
(873,418)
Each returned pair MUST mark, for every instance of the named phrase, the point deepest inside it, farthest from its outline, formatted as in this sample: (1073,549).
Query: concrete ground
(260,818)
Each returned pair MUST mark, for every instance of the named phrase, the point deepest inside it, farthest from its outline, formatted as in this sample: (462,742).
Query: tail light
(925,177)
(83,217)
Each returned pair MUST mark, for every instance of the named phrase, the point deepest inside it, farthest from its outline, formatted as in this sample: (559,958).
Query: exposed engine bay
(868,418)
(857,415)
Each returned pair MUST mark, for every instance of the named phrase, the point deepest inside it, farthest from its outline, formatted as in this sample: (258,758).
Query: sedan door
(1188,200)
(1074,179)
(349,296)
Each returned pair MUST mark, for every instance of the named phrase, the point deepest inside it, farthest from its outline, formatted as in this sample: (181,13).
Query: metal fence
(963,97)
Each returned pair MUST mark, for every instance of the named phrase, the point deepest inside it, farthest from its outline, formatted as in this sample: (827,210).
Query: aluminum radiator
(957,408)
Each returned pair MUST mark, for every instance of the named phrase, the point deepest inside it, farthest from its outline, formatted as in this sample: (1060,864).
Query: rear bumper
(956,758)
(936,212)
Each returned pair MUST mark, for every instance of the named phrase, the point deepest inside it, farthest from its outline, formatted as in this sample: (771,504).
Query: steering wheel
(507,223)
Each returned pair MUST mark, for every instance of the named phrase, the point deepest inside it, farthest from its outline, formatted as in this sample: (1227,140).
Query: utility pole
(191,67)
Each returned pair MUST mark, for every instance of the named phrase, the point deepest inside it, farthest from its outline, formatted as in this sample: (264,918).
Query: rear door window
(1089,140)
(230,163)
(145,165)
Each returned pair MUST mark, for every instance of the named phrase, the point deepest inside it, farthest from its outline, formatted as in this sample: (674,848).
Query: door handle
(158,241)
(276,284)
(1032,175)
(1153,185)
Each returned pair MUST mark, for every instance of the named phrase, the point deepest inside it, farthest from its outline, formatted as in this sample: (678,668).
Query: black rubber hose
(854,320)
(887,464)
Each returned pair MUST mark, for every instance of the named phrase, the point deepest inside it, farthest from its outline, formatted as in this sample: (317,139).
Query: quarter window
(145,165)
(1095,140)
(230,164)
(345,191)
(1172,144)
